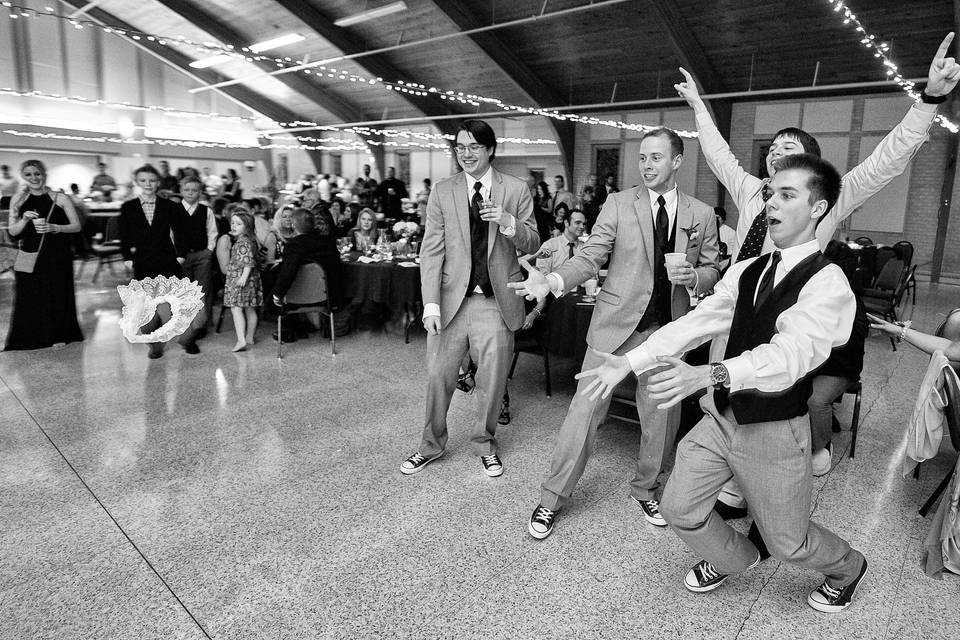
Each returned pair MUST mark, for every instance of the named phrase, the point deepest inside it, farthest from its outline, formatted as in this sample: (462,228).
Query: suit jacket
(445,251)
(624,233)
(150,245)
(304,249)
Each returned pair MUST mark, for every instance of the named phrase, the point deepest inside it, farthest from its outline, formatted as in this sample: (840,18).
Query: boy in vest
(784,312)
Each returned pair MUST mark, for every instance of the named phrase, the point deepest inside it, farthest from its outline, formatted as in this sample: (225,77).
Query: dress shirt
(556,251)
(888,160)
(670,204)
(821,319)
(148,206)
(211,223)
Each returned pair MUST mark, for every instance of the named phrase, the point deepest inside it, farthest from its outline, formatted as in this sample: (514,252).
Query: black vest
(659,309)
(753,327)
(195,228)
(479,273)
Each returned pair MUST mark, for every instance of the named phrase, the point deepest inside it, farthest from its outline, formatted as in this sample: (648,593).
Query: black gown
(45,305)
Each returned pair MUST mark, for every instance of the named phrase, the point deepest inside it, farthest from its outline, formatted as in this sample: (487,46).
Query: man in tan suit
(477,220)
(635,229)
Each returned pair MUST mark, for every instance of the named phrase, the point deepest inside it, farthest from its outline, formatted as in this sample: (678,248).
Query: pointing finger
(944,47)
(686,75)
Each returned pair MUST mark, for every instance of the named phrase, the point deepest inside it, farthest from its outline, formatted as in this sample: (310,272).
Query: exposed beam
(685,45)
(375,65)
(535,89)
(171,56)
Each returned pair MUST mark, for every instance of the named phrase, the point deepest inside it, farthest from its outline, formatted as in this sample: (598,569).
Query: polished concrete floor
(237,496)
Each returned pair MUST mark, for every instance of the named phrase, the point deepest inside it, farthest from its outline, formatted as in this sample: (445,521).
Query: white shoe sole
(409,472)
(493,473)
(537,534)
(825,608)
(696,588)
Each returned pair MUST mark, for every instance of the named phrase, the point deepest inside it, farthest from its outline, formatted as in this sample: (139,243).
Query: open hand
(688,89)
(607,376)
(876,322)
(534,287)
(944,71)
(677,381)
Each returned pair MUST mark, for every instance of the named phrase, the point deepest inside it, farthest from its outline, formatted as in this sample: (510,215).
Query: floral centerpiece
(406,230)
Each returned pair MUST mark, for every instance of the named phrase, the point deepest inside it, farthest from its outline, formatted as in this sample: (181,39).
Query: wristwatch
(719,376)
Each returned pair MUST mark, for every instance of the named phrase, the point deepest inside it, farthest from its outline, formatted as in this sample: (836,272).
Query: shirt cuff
(431,309)
(556,284)
(640,359)
(510,230)
(741,373)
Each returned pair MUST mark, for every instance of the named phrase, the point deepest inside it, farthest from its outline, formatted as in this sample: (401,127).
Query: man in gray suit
(635,229)
(477,220)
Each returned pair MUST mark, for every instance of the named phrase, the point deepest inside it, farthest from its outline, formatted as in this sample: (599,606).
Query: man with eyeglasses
(476,222)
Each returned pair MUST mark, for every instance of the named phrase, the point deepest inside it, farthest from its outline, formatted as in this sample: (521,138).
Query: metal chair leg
(279,333)
(333,336)
(516,354)
(855,425)
(925,509)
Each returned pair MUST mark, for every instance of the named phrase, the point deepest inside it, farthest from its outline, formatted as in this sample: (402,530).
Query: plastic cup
(590,287)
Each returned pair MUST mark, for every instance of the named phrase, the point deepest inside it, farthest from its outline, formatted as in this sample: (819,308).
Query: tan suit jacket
(624,232)
(445,251)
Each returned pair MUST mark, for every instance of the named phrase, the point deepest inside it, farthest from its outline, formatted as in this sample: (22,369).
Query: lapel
(641,206)
(684,220)
(461,207)
(496,194)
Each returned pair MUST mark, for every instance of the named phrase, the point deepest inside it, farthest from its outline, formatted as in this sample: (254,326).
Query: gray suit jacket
(445,251)
(624,232)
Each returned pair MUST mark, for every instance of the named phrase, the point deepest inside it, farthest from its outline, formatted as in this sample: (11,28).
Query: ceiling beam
(533,87)
(686,47)
(244,95)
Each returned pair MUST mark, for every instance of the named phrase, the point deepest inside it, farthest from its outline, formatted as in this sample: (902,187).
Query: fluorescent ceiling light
(209,62)
(370,14)
(273,43)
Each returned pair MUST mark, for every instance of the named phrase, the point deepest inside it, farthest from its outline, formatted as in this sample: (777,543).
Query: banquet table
(568,319)
(386,282)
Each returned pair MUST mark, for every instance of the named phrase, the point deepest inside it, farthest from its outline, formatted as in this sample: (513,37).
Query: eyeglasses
(473,148)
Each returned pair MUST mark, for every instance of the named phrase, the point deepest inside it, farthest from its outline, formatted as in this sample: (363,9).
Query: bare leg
(251,315)
(240,326)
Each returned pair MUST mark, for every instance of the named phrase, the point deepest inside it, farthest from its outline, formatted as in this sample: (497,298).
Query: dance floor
(237,496)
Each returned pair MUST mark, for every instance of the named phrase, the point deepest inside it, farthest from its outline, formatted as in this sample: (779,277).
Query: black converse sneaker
(704,576)
(492,465)
(541,522)
(416,463)
(651,511)
(834,600)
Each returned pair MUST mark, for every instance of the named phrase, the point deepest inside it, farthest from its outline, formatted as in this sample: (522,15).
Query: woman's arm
(223,253)
(244,275)
(271,244)
(74,225)
(923,341)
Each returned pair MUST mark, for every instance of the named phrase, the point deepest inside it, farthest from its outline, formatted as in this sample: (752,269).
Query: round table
(386,282)
(568,319)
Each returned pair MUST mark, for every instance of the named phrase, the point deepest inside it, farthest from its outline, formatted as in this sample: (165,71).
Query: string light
(398,133)
(881,51)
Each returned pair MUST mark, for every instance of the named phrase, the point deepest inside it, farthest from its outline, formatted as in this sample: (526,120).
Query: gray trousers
(771,463)
(477,329)
(197,266)
(579,428)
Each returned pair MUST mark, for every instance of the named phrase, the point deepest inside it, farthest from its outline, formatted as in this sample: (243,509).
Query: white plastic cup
(590,287)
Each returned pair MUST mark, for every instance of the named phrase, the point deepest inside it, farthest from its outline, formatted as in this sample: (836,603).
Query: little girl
(243,293)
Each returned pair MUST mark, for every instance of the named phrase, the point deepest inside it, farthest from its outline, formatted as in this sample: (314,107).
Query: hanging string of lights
(881,51)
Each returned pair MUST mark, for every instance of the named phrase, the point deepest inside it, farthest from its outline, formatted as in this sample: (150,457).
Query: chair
(884,301)
(880,260)
(534,342)
(952,412)
(864,241)
(856,388)
(912,284)
(308,292)
(107,251)
(904,250)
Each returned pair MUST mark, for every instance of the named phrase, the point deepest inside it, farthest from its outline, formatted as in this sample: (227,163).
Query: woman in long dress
(45,305)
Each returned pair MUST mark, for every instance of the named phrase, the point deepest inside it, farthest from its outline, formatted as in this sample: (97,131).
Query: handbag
(26,261)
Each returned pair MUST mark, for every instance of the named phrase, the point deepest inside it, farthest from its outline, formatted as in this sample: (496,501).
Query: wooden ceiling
(578,58)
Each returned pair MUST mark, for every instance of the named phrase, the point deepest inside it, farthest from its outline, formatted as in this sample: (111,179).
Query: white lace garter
(141,297)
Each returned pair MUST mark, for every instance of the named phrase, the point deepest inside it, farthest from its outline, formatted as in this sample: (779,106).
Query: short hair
(807,141)
(191,179)
(560,178)
(147,168)
(427,182)
(34,163)
(482,133)
(676,142)
(824,180)
(303,220)
(568,215)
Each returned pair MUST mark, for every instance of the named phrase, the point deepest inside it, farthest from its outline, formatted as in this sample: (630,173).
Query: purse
(26,261)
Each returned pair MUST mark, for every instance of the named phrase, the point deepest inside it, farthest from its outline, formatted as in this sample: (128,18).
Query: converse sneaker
(416,463)
(541,522)
(821,460)
(832,599)
(651,511)
(492,465)
(704,576)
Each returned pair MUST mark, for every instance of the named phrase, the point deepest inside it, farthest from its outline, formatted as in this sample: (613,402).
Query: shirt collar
(795,255)
(670,199)
(152,200)
(486,180)
(190,207)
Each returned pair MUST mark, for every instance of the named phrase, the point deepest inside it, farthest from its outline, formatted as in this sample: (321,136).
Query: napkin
(408,264)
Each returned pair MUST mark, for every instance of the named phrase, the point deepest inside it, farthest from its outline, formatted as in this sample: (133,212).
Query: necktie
(766,283)
(753,243)
(570,244)
(476,202)
(663,222)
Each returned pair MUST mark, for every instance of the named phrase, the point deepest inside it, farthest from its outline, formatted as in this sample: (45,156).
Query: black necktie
(766,283)
(753,243)
(476,202)
(570,244)
(663,222)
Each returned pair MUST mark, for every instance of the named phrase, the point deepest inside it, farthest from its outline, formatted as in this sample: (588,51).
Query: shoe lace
(544,515)
(490,460)
(416,458)
(829,591)
(653,507)
(707,571)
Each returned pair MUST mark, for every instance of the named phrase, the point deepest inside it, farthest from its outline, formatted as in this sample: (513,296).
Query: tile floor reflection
(237,496)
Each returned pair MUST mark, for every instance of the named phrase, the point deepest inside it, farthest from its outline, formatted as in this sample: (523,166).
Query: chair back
(904,251)
(309,287)
(950,327)
(864,241)
(891,274)
(884,255)
(905,277)
(952,410)
(111,231)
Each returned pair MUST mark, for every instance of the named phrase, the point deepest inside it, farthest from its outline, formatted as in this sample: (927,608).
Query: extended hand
(608,375)
(677,381)
(535,286)
(529,320)
(877,322)
(688,89)
(944,71)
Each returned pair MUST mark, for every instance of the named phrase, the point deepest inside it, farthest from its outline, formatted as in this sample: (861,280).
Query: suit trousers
(826,389)
(197,266)
(771,463)
(477,329)
(658,431)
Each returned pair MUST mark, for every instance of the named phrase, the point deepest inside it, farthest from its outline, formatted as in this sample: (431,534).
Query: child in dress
(242,292)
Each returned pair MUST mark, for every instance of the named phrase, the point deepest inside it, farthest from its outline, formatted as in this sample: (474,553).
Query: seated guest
(559,215)
(558,249)
(342,218)
(281,230)
(366,231)
(901,331)
(310,245)
(261,225)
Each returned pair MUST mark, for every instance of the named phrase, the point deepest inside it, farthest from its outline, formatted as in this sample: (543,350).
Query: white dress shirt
(807,332)
(670,204)
(555,252)
(211,223)
(888,160)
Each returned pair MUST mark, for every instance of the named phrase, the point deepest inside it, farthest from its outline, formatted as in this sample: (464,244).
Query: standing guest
(323,187)
(242,292)
(477,220)
(635,230)
(365,188)
(589,206)
(783,313)
(103,182)
(561,195)
(542,211)
(146,225)
(305,182)
(45,305)
(198,239)
(169,185)
(423,197)
(231,189)
(309,245)
(9,185)
(366,232)
(211,184)
(390,193)
(608,188)
(220,216)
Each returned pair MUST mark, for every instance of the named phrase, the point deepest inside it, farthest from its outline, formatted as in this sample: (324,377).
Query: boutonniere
(693,232)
